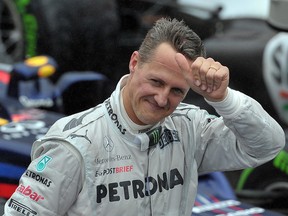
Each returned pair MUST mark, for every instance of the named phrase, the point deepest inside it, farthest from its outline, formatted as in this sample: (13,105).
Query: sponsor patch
(114,170)
(138,188)
(27,191)
(22,209)
(43,163)
(45,181)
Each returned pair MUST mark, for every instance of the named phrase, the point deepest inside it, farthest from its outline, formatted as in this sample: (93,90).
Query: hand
(205,76)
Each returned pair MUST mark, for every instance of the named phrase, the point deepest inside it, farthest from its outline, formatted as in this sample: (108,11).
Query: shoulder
(66,131)
(185,110)
(191,114)
(67,125)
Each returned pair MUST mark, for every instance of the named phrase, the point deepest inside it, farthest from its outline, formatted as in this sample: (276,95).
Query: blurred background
(86,46)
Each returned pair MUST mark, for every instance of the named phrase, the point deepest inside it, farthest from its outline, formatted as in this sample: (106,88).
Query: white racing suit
(92,163)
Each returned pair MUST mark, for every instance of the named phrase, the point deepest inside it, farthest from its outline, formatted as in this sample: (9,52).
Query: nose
(161,97)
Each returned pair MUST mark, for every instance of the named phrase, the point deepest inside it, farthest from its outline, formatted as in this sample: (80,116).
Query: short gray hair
(177,34)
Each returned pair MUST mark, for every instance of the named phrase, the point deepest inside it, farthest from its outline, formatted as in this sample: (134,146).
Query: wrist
(219,99)
(229,105)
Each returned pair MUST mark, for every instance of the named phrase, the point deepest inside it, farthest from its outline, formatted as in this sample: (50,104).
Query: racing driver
(140,152)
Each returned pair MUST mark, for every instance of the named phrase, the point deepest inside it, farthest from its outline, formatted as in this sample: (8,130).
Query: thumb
(185,68)
(182,63)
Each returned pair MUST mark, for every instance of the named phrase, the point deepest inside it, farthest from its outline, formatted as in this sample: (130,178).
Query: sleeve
(50,184)
(244,136)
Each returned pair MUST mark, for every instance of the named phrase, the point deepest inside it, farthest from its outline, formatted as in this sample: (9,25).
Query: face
(154,89)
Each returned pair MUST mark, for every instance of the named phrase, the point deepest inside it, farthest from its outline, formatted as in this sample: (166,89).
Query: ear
(134,61)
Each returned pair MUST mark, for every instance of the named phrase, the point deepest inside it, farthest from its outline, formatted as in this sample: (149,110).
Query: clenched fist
(207,77)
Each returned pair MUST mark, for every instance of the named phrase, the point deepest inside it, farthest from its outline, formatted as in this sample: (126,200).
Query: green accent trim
(31,35)
(285,106)
(281,161)
(243,178)
(30,28)
(21,5)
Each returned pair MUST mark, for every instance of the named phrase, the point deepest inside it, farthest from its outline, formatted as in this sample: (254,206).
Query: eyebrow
(163,82)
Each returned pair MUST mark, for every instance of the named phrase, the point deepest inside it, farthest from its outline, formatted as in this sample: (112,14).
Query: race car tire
(78,34)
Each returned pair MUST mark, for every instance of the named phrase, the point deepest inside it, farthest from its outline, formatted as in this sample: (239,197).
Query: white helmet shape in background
(275,69)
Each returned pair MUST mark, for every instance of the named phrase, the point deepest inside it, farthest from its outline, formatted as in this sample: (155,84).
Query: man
(141,151)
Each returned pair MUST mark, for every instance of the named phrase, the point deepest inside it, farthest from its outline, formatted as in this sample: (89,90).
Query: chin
(151,118)
(149,121)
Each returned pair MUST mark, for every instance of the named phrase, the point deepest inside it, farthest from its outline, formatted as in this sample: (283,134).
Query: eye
(178,91)
(156,82)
